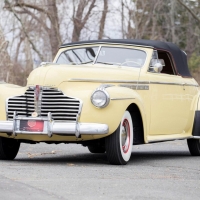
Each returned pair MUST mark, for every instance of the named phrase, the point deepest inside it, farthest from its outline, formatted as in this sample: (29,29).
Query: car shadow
(157,156)
(75,159)
(101,159)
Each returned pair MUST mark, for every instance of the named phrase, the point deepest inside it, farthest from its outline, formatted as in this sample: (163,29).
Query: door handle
(183,85)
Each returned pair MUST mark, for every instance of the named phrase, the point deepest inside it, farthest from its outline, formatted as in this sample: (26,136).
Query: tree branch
(37,19)
(103,19)
(24,30)
(189,10)
(88,13)
(22,4)
(25,11)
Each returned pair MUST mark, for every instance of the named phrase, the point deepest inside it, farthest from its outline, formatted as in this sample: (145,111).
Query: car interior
(165,60)
(168,68)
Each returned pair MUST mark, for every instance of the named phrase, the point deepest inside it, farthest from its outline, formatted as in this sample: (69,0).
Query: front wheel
(194,146)
(119,144)
(8,148)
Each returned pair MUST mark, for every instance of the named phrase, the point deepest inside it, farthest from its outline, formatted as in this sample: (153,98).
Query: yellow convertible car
(107,95)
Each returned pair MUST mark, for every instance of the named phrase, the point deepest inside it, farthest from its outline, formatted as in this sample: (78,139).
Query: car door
(190,94)
(169,107)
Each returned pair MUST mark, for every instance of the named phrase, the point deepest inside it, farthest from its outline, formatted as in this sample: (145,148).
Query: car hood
(53,75)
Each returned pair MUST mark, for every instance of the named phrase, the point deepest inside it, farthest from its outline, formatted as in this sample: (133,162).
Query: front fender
(120,99)
(8,90)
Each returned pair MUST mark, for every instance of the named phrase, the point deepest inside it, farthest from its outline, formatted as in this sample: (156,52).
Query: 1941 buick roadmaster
(107,95)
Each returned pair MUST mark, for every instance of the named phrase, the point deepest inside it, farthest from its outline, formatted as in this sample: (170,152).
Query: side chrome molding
(128,82)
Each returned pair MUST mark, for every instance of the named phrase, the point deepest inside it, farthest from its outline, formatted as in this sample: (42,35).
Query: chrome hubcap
(125,136)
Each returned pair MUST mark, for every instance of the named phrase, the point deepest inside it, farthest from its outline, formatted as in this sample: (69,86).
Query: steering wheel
(130,61)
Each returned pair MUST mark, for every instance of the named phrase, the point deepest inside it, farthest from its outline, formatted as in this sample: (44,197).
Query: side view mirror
(157,67)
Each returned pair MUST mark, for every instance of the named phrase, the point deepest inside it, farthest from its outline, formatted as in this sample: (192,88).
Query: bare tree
(103,19)
(51,13)
(79,20)
(5,61)
(122,18)
(195,16)
(32,30)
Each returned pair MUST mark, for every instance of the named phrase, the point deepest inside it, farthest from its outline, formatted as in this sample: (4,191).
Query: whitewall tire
(119,144)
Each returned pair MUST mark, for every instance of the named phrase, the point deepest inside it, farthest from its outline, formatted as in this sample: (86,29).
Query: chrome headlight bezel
(107,98)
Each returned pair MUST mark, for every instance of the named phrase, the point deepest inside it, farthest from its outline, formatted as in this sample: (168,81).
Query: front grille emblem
(31,123)
(34,114)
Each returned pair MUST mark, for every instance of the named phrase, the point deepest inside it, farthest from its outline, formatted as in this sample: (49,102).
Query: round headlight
(100,98)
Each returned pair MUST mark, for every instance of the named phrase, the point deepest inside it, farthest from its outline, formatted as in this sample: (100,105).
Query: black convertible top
(180,58)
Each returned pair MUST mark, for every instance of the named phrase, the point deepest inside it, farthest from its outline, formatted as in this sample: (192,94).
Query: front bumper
(52,127)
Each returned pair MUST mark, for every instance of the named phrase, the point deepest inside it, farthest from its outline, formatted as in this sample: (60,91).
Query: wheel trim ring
(125,147)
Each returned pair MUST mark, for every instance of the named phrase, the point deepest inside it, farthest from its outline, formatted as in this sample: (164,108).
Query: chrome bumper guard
(52,127)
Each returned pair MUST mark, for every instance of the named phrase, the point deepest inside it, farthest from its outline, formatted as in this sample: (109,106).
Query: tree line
(31,31)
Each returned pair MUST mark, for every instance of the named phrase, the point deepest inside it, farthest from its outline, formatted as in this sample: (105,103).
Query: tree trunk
(172,13)
(54,33)
(78,20)
(122,19)
(5,61)
(103,19)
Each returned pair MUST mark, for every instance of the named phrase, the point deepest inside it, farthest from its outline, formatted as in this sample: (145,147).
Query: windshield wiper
(86,62)
(107,63)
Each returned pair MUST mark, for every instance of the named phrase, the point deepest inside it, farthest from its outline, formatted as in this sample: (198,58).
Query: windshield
(78,56)
(103,55)
(121,56)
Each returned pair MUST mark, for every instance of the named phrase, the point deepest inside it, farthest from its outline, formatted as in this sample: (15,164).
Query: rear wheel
(194,146)
(119,144)
(8,148)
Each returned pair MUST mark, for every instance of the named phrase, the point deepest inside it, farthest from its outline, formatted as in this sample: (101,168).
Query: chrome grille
(52,100)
